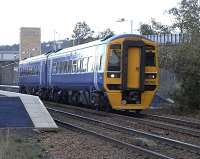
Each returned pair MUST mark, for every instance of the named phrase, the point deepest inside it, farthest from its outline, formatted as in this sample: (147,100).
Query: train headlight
(150,75)
(112,75)
(123,102)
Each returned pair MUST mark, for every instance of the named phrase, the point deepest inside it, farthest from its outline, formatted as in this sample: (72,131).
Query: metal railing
(169,39)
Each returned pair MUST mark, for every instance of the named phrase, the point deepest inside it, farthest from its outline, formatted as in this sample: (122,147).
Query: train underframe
(87,98)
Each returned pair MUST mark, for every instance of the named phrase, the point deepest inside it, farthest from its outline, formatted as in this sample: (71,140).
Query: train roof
(93,43)
(98,42)
(32,59)
(126,36)
(81,46)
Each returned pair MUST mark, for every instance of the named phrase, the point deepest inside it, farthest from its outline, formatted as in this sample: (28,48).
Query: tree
(184,58)
(154,28)
(159,28)
(186,65)
(82,33)
(187,16)
(105,33)
(146,29)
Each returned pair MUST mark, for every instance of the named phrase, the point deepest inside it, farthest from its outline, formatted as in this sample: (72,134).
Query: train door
(133,65)
(133,73)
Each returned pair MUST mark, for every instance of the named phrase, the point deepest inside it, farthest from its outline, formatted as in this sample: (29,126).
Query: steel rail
(167,126)
(175,121)
(110,139)
(134,131)
(156,124)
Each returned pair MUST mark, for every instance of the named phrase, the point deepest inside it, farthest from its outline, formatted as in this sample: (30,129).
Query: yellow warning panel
(133,80)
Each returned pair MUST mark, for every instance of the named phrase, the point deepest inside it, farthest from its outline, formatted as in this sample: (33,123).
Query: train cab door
(133,65)
(133,73)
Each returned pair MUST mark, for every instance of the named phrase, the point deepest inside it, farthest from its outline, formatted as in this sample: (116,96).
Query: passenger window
(85,64)
(65,67)
(100,62)
(69,68)
(54,67)
(81,65)
(75,64)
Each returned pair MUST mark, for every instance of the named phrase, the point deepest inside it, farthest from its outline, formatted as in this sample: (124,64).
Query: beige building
(30,42)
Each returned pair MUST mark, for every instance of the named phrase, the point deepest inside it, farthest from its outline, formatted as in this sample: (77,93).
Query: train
(119,72)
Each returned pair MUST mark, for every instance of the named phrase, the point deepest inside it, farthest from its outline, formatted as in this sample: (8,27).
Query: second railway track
(169,147)
(166,129)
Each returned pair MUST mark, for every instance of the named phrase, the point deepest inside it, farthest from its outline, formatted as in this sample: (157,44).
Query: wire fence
(9,73)
(169,39)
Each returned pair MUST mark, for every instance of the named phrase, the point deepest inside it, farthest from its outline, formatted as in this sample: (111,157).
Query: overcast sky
(62,15)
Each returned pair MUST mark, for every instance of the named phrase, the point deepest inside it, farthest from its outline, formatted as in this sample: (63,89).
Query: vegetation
(187,17)
(183,60)
(82,33)
(105,33)
(154,28)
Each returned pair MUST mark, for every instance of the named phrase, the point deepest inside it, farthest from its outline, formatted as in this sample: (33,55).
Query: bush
(185,62)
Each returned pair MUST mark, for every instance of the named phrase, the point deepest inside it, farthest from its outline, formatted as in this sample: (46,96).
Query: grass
(19,145)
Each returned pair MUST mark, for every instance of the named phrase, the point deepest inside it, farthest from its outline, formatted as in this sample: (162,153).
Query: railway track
(173,120)
(173,129)
(172,124)
(79,122)
(110,139)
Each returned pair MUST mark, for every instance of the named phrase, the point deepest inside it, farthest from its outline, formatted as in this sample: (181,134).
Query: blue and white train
(120,72)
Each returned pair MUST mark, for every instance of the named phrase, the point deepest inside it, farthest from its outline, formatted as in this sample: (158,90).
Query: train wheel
(65,97)
(22,90)
(108,108)
(138,112)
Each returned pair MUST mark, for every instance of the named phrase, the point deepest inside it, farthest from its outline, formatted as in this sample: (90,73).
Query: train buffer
(23,111)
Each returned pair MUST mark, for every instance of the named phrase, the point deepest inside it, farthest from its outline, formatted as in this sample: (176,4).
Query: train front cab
(131,74)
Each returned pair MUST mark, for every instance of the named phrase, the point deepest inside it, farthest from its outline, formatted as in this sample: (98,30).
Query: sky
(62,15)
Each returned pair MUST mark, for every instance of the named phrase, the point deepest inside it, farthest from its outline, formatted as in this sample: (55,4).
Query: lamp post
(124,20)
(54,36)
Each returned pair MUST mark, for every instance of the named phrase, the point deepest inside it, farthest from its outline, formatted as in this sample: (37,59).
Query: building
(8,67)
(30,42)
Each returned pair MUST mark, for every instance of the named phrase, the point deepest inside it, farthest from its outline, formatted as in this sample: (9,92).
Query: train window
(150,59)
(30,70)
(64,66)
(58,67)
(34,70)
(89,66)
(54,67)
(81,65)
(114,62)
(37,70)
(84,64)
(115,46)
(69,67)
(61,67)
(100,62)
(75,66)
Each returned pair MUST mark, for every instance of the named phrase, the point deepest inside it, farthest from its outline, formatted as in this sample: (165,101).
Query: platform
(31,112)
(10,88)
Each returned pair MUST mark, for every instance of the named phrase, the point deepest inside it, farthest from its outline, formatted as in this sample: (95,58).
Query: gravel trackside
(70,144)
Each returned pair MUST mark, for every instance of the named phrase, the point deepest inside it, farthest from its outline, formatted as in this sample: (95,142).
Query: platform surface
(13,113)
(39,115)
